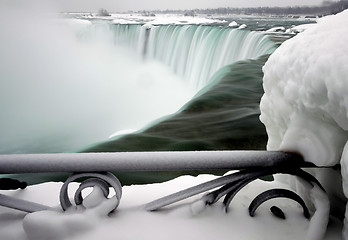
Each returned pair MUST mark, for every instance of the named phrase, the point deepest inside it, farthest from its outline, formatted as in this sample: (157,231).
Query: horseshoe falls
(221,65)
(194,52)
(68,84)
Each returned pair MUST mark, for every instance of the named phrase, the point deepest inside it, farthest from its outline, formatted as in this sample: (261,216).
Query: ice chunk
(233,24)
(276,29)
(242,26)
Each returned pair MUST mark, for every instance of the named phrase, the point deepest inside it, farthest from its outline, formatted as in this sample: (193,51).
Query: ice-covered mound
(305,104)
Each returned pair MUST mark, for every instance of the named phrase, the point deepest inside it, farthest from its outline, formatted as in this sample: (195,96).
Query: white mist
(58,93)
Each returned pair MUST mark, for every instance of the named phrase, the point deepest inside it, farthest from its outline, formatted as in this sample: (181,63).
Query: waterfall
(194,52)
(45,80)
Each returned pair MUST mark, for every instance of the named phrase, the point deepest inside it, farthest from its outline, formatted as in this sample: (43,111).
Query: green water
(223,116)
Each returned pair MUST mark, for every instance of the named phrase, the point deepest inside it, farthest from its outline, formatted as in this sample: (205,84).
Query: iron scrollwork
(231,184)
(254,165)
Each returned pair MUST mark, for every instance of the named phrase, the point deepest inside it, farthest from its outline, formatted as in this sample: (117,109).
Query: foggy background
(122,6)
(60,93)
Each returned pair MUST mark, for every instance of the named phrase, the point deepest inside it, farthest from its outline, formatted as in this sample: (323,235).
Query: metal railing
(97,168)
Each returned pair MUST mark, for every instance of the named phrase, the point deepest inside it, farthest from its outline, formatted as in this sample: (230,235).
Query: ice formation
(233,24)
(305,104)
(164,19)
(242,26)
(276,29)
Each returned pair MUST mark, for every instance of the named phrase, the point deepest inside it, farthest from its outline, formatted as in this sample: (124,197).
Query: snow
(320,219)
(242,26)
(124,21)
(276,29)
(178,20)
(305,105)
(189,219)
(233,24)
(164,19)
(301,28)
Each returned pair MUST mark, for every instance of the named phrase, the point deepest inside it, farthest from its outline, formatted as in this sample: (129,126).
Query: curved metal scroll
(102,180)
(231,184)
(230,190)
(276,193)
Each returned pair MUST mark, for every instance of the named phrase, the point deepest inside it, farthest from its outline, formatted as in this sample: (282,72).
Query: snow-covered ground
(188,219)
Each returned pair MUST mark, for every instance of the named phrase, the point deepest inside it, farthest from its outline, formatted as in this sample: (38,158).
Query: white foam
(122,132)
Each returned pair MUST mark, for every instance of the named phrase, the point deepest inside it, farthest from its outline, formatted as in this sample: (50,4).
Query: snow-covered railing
(146,161)
(97,168)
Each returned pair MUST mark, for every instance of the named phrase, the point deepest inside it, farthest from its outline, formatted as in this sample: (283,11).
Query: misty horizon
(153,5)
(215,6)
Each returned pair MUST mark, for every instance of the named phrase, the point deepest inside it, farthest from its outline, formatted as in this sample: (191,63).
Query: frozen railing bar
(96,168)
(146,161)
(21,205)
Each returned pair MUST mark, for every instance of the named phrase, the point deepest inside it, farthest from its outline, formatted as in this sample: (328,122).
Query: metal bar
(22,205)
(189,192)
(146,161)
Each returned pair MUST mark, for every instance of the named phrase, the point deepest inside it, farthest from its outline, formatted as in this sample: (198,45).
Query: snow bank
(59,225)
(305,105)
(301,28)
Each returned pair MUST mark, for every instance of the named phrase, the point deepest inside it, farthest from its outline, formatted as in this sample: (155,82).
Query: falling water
(194,52)
(69,83)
